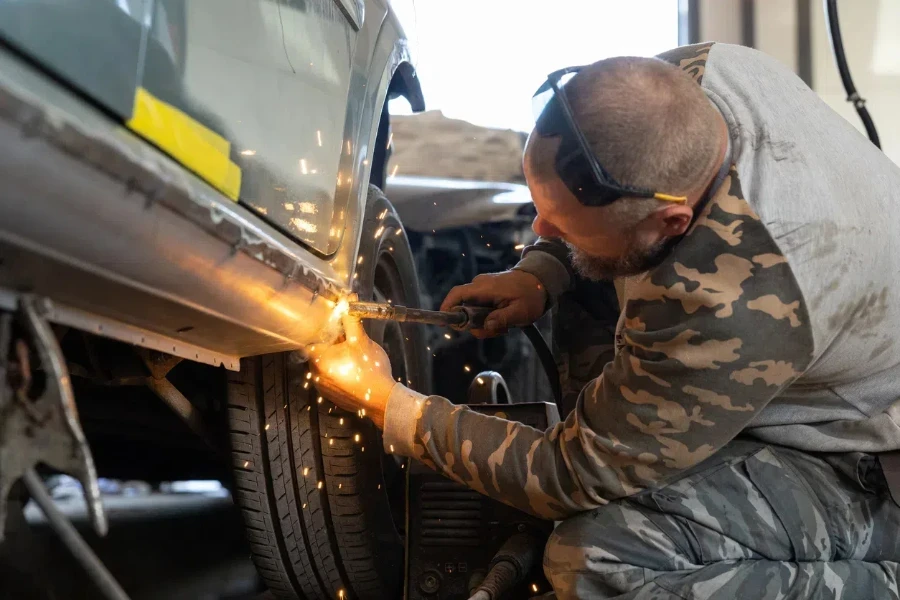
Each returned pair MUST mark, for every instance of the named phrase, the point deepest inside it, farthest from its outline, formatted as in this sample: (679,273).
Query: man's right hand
(519,297)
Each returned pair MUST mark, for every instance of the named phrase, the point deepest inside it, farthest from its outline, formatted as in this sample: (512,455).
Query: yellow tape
(668,198)
(198,148)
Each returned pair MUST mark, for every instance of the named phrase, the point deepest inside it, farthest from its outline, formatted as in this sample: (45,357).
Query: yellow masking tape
(198,148)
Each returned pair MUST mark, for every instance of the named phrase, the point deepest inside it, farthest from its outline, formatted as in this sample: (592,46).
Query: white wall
(871,32)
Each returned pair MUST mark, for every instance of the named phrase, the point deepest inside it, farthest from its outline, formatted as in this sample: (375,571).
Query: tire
(325,514)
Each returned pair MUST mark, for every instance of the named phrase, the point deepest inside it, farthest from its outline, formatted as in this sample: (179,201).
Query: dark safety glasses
(576,164)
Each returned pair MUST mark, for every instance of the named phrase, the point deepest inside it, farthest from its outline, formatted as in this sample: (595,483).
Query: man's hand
(519,297)
(356,373)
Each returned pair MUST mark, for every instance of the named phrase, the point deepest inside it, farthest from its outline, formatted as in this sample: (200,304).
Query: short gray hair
(648,123)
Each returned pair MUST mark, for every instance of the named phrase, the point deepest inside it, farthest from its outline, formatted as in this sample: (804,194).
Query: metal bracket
(38,419)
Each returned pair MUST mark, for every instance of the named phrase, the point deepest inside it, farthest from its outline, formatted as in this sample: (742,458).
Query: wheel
(325,513)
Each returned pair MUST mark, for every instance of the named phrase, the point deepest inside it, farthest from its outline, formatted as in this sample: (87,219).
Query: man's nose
(544,229)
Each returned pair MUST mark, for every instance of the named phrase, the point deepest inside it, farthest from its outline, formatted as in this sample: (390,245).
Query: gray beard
(633,262)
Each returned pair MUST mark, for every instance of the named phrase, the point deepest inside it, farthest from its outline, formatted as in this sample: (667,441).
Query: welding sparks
(304,168)
(305,471)
(331,442)
(267,427)
(320,400)
(394,170)
(248,152)
(392,447)
(288,206)
(341,422)
(319,138)
(359,260)
(390,139)
(519,247)
(534,587)
(479,380)
(448,336)
(308,207)
(382,215)
(246,463)
(379,231)
(398,232)
(320,485)
(356,438)
(467,368)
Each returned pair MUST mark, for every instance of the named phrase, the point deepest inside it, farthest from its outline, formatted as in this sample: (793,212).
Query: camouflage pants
(754,521)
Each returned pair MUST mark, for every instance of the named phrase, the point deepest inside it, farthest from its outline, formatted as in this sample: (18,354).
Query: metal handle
(475,317)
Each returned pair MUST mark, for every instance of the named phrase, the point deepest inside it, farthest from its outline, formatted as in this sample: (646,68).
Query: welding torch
(460,318)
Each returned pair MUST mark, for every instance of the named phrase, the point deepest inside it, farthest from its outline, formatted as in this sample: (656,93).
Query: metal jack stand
(39,425)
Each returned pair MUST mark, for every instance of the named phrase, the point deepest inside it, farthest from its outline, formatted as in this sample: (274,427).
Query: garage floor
(172,547)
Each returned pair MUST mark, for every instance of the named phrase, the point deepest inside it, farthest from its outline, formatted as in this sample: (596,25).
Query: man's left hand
(356,373)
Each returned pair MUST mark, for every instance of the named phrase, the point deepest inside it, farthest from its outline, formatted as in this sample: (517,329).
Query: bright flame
(340,309)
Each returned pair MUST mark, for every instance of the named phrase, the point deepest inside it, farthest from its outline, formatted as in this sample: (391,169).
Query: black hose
(837,44)
(508,568)
(546,357)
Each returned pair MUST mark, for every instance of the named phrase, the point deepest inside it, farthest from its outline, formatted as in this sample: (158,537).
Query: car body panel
(282,82)
(431,204)
(122,232)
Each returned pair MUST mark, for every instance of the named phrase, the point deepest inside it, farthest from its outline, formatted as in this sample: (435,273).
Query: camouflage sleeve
(709,338)
(548,260)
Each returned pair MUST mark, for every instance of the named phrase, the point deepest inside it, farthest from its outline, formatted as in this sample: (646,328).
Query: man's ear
(674,220)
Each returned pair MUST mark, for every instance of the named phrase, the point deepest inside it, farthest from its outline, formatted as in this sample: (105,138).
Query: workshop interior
(193,190)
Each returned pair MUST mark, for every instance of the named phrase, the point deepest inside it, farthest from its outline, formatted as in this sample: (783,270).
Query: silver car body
(133,242)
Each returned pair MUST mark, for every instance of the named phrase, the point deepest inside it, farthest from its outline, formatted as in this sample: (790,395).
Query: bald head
(651,126)
(647,121)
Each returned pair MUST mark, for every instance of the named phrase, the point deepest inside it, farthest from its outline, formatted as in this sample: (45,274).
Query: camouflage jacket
(708,345)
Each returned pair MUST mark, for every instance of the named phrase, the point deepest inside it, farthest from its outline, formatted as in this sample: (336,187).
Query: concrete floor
(159,547)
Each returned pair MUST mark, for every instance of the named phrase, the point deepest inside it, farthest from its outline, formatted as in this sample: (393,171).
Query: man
(729,448)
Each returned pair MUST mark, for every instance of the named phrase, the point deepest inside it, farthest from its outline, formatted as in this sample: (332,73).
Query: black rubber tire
(315,501)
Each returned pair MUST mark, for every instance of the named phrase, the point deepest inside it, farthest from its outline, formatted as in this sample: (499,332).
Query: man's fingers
(502,319)
(476,294)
